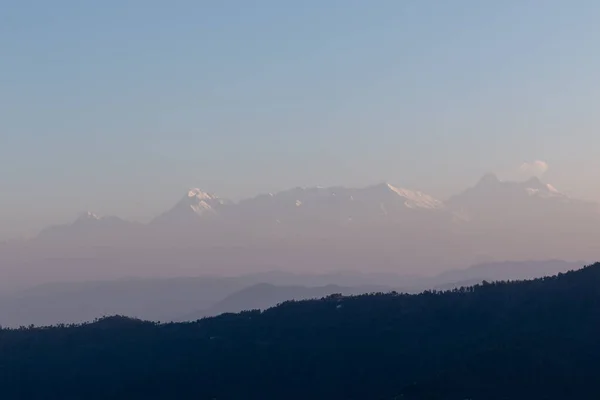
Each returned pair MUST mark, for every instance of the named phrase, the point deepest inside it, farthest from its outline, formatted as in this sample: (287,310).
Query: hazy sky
(120,105)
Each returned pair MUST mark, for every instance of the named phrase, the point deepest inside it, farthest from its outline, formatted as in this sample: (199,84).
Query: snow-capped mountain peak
(416,199)
(196,203)
(552,188)
(89,216)
(495,199)
(92,219)
(413,199)
(202,202)
(546,190)
(199,194)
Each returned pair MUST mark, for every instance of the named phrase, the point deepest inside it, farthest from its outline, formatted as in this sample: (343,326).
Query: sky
(120,106)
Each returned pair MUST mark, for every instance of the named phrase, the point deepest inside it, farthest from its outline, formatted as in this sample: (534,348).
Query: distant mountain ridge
(345,205)
(381,227)
(510,195)
(491,206)
(339,204)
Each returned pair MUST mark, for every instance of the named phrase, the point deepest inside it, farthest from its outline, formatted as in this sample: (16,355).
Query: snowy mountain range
(382,204)
(335,203)
(318,229)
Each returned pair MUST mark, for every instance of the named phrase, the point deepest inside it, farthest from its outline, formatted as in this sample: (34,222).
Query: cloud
(534,168)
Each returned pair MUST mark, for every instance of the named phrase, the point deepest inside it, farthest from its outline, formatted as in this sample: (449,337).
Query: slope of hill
(500,271)
(522,340)
(264,295)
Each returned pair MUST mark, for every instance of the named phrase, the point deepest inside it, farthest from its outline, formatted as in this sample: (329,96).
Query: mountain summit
(88,216)
(195,205)
(491,192)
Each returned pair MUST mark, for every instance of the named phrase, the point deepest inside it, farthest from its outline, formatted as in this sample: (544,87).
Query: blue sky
(120,106)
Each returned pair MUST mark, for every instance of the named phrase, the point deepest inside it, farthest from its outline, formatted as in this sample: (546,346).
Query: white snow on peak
(88,215)
(194,203)
(545,191)
(202,207)
(200,195)
(552,189)
(92,215)
(416,199)
(202,202)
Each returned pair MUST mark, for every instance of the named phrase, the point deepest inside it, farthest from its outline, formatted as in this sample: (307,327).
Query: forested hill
(523,340)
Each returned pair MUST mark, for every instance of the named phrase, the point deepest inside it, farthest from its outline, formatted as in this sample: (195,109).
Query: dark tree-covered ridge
(534,339)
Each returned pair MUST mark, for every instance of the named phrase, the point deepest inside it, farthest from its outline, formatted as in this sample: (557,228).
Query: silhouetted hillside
(265,295)
(500,271)
(523,340)
(189,298)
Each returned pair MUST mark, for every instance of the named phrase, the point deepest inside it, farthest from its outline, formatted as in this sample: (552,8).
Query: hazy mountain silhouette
(170,298)
(265,295)
(189,298)
(154,299)
(89,229)
(500,271)
(492,198)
